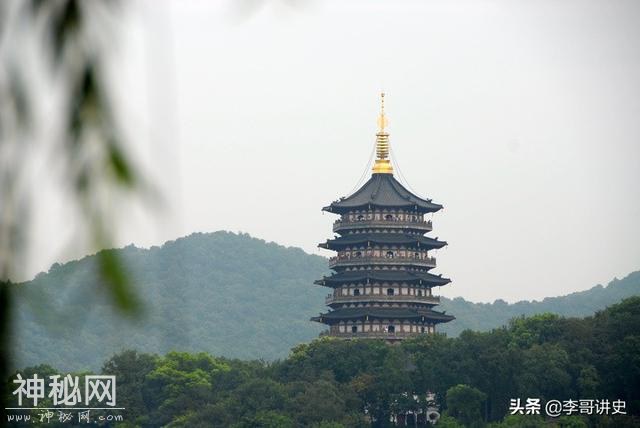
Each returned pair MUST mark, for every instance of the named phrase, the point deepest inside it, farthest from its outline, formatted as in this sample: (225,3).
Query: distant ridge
(224,293)
(486,316)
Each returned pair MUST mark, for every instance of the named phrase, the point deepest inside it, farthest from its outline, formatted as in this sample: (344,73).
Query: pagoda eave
(351,314)
(393,239)
(383,277)
(423,209)
(384,192)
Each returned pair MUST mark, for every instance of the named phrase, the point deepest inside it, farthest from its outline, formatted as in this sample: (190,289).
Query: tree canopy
(362,383)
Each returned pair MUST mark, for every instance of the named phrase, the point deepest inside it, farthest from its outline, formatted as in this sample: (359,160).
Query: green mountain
(227,294)
(486,316)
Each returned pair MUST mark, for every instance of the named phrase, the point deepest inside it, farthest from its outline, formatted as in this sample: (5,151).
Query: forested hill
(486,316)
(224,293)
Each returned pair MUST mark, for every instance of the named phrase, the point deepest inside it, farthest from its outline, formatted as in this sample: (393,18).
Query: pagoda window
(388,217)
(360,217)
(391,328)
(358,254)
(389,254)
(416,255)
(356,292)
(422,329)
(354,329)
(420,293)
(390,291)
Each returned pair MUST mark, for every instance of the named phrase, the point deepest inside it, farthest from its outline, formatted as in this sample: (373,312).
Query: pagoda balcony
(422,225)
(372,335)
(338,261)
(396,298)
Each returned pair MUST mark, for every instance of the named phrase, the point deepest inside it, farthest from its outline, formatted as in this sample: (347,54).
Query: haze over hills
(224,293)
(486,316)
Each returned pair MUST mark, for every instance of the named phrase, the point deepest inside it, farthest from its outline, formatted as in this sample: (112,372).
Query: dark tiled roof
(383,190)
(383,276)
(383,238)
(386,313)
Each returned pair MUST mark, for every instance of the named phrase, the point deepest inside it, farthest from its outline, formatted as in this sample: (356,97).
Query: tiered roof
(383,191)
(385,313)
(409,240)
(366,276)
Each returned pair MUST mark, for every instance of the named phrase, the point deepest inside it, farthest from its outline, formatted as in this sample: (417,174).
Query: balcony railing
(372,335)
(356,224)
(396,298)
(382,260)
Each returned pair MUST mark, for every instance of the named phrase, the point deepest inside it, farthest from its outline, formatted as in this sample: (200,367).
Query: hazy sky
(520,117)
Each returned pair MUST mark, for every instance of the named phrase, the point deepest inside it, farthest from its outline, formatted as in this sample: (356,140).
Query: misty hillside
(224,293)
(486,316)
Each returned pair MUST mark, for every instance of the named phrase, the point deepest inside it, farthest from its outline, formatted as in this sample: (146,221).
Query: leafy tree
(266,419)
(588,382)
(545,372)
(180,382)
(316,402)
(448,422)
(466,404)
(131,370)
(520,421)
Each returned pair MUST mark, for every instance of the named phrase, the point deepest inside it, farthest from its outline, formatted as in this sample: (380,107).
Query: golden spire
(383,164)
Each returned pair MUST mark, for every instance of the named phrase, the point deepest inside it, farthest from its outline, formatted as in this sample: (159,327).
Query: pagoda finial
(383,164)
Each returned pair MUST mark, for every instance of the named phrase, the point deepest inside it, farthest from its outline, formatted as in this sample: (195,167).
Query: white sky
(520,117)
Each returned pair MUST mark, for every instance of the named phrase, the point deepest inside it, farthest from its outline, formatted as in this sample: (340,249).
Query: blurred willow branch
(55,52)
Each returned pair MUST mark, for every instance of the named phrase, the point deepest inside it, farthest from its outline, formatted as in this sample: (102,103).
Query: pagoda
(382,284)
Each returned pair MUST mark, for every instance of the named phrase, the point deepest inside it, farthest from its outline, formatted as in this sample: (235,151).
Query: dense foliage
(330,383)
(223,293)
